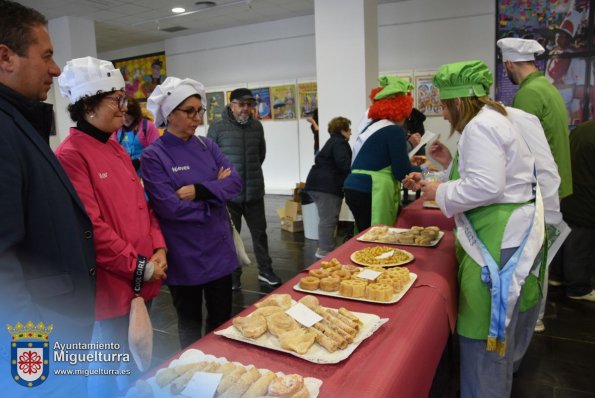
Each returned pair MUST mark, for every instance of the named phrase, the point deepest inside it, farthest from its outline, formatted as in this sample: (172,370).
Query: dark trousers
(253,213)
(188,303)
(360,204)
(574,264)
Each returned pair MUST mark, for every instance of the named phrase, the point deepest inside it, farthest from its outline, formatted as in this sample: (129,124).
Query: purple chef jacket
(197,233)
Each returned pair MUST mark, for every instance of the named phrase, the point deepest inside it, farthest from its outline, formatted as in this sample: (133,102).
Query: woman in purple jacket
(189,182)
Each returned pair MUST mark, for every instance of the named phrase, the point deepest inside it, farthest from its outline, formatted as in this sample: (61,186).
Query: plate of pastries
(341,280)
(432,204)
(330,340)
(238,380)
(414,236)
(381,256)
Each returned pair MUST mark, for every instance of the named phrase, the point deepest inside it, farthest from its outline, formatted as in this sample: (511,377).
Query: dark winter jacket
(331,166)
(244,146)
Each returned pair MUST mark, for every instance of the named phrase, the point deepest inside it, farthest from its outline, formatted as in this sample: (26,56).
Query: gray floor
(560,362)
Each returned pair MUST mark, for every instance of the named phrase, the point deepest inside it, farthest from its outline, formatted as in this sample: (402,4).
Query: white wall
(413,34)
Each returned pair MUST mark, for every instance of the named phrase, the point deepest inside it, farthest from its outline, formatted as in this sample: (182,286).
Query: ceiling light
(178,10)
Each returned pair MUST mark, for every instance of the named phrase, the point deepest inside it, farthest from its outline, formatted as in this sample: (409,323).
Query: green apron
(386,195)
(489,223)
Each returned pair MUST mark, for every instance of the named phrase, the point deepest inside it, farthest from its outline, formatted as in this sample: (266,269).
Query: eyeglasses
(244,104)
(120,100)
(191,112)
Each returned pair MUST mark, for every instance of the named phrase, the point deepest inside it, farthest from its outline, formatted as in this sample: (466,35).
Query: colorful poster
(262,109)
(142,74)
(215,106)
(427,97)
(283,102)
(308,97)
(561,27)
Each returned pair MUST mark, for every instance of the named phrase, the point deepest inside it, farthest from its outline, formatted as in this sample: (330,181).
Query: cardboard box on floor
(291,217)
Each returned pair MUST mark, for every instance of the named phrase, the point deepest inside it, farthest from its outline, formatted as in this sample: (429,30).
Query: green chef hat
(392,85)
(463,79)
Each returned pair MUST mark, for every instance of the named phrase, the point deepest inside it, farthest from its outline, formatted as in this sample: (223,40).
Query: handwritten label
(202,385)
(369,274)
(303,315)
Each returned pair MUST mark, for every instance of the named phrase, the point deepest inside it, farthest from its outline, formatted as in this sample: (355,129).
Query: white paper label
(369,274)
(385,255)
(202,385)
(303,315)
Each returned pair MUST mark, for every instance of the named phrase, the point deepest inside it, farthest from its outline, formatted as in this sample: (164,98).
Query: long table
(400,358)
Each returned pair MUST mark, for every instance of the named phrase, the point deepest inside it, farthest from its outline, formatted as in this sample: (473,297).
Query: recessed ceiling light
(178,10)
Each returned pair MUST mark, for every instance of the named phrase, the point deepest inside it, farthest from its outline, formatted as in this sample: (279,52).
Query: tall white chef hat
(89,76)
(171,93)
(515,50)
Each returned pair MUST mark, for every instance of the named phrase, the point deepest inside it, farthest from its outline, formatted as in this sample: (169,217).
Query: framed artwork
(562,27)
(215,106)
(427,97)
(142,74)
(308,97)
(283,102)
(262,110)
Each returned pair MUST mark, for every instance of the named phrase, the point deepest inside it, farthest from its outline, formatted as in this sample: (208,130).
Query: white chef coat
(547,170)
(495,166)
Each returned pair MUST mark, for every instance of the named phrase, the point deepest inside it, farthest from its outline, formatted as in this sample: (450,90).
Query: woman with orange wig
(380,156)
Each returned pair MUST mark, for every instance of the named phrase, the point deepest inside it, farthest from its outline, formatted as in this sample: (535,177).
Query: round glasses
(120,100)
(192,112)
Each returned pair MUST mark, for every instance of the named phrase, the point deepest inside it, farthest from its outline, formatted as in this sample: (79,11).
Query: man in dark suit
(47,261)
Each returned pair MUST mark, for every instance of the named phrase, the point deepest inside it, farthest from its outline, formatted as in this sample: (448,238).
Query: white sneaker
(587,297)
(539,326)
(320,253)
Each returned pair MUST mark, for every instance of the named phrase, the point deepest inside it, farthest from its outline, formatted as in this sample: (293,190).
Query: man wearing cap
(537,96)
(241,139)
(47,261)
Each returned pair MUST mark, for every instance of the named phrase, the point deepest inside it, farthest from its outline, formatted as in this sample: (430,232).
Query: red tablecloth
(416,214)
(400,359)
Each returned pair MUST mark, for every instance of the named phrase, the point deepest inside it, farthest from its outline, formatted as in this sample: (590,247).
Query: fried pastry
(279,300)
(266,311)
(280,322)
(309,283)
(310,302)
(299,340)
(242,384)
(251,326)
(286,386)
(261,386)
(329,284)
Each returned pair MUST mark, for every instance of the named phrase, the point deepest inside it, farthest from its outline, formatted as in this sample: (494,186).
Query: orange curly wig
(397,108)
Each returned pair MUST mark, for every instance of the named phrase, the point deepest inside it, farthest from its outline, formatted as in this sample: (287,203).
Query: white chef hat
(89,76)
(171,93)
(515,50)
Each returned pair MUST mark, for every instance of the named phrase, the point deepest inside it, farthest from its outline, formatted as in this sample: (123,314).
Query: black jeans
(574,264)
(188,303)
(360,204)
(253,212)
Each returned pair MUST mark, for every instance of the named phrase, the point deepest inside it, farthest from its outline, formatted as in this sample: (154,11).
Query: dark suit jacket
(47,260)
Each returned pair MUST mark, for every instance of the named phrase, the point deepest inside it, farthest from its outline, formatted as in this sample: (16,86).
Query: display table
(401,358)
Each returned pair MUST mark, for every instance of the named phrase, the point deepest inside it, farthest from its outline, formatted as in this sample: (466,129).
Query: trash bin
(310,216)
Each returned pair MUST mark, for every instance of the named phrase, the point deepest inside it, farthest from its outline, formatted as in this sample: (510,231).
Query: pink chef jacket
(124,226)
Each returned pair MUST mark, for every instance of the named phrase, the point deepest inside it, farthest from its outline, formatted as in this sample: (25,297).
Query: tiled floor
(560,362)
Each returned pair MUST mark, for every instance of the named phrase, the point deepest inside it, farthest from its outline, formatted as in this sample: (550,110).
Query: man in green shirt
(536,95)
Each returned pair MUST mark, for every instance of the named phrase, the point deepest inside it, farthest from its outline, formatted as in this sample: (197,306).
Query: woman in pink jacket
(129,246)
